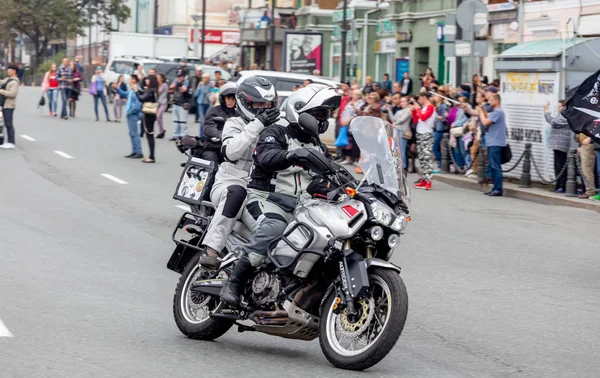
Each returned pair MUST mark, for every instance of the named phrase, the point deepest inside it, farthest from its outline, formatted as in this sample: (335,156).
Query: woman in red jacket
(424,116)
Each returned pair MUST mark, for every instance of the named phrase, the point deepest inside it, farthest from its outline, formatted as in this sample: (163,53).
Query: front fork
(354,278)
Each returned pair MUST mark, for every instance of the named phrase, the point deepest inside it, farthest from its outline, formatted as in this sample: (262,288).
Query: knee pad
(236,195)
(255,259)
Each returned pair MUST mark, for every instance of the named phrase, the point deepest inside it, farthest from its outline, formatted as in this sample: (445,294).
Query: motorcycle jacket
(213,130)
(238,141)
(274,173)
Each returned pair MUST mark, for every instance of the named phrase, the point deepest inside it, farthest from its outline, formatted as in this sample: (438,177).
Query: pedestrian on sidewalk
(368,88)
(202,94)
(75,90)
(149,100)
(587,156)
(98,82)
(50,87)
(442,110)
(495,125)
(346,97)
(387,83)
(118,102)
(407,85)
(401,117)
(163,92)
(351,152)
(424,116)
(133,110)
(181,98)
(9,89)
(560,142)
(65,82)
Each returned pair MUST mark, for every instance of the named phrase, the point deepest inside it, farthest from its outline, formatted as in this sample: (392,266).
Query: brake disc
(351,328)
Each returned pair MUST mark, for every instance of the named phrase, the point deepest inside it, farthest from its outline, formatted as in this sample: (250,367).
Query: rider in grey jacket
(277,184)
(257,108)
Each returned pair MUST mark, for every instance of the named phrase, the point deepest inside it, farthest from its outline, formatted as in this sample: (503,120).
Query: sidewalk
(528,194)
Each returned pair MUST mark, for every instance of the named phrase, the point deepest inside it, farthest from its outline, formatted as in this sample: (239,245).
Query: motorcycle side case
(327,220)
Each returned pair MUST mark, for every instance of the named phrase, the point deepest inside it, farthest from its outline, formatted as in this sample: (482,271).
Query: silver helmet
(315,99)
(227,89)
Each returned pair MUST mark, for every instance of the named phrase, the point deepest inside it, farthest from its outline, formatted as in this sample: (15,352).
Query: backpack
(2,97)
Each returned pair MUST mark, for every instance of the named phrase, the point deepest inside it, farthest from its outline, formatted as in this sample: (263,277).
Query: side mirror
(309,123)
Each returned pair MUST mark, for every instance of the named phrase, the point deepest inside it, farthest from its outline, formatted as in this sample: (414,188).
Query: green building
(382,38)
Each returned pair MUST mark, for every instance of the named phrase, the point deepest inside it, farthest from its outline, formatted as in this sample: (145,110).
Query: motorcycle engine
(265,288)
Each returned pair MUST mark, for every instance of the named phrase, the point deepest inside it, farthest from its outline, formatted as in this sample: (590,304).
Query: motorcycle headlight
(382,214)
(398,223)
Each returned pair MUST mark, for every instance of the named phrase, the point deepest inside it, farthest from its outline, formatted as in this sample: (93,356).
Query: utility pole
(90,34)
(344,36)
(203,28)
(272,42)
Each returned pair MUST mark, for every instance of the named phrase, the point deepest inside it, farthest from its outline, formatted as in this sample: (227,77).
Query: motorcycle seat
(241,229)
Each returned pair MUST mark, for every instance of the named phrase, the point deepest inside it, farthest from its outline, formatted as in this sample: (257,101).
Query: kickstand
(244,328)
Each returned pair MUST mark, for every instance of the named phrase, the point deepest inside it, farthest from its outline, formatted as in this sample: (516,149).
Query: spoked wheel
(192,309)
(359,341)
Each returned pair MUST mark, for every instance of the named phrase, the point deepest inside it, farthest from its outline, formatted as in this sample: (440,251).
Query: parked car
(177,59)
(284,81)
(125,65)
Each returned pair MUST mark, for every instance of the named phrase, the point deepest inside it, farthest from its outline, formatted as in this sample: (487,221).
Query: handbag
(150,108)
(407,134)
(505,154)
(93,89)
(456,132)
(42,101)
(342,139)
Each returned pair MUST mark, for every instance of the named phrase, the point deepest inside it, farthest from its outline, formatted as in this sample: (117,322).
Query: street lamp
(196,18)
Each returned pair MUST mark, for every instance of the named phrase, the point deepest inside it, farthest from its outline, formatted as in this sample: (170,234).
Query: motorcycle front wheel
(359,341)
(192,309)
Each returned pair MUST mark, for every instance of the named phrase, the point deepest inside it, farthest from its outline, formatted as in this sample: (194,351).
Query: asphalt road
(498,287)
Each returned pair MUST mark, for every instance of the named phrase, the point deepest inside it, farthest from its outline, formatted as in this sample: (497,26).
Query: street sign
(351,34)
(463,48)
(338,15)
(385,46)
(472,16)
(450,28)
(386,27)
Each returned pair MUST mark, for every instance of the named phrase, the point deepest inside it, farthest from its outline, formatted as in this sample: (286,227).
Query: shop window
(404,52)
(422,60)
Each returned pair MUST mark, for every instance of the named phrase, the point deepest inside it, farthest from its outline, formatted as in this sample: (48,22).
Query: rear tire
(384,341)
(194,328)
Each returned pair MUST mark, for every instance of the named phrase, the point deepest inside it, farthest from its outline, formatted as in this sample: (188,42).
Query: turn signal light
(337,300)
(351,192)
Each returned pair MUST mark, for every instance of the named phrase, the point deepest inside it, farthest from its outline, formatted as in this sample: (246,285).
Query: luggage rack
(201,221)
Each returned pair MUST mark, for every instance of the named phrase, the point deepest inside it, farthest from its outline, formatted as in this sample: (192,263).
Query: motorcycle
(328,276)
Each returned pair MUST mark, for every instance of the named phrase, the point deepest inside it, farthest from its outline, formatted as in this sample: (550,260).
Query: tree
(44,21)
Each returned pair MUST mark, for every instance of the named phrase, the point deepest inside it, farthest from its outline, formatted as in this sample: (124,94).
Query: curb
(526,194)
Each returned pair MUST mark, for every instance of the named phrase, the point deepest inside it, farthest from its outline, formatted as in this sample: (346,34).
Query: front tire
(373,332)
(191,310)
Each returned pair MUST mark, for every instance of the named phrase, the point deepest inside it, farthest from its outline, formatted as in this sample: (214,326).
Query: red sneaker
(427,185)
(421,184)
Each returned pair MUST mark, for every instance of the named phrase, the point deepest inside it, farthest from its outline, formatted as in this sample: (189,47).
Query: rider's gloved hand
(269,116)
(292,157)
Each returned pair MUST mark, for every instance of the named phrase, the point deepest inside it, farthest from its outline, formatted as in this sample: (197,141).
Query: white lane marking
(27,137)
(4,332)
(63,154)
(183,207)
(113,178)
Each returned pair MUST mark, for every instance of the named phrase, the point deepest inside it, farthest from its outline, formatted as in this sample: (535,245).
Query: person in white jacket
(401,117)
(256,105)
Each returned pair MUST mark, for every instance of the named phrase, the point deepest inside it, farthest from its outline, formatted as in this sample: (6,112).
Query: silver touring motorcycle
(328,276)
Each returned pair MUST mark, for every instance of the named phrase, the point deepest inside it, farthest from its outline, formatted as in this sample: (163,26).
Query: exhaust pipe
(279,317)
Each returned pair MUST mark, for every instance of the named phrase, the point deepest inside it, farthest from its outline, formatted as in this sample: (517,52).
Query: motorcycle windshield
(381,160)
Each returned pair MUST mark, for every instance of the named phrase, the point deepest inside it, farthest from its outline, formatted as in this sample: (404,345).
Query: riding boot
(210,262)
(230,293)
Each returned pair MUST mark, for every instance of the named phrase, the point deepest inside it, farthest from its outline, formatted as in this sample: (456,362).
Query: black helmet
(228,89)
(255,90)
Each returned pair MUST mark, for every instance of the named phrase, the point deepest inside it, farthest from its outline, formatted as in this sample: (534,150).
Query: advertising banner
(303,52)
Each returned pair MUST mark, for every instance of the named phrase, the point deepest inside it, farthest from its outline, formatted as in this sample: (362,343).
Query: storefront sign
(165,30)
(386,27)
(224,37)
(404,36)
(440,33)
(500,7)
(385,46)
(303,52)
(338,15)
(402,66)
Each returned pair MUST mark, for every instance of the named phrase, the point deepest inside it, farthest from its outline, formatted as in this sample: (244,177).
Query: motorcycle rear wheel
(191,310)
(370,335)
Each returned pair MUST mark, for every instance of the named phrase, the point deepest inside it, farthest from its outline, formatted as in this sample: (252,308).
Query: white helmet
(315,99)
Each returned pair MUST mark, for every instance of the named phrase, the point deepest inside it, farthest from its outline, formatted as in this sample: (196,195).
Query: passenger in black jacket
(148,97)
(212,128)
